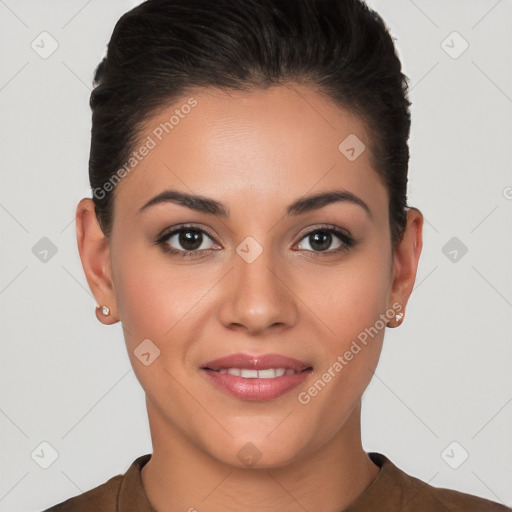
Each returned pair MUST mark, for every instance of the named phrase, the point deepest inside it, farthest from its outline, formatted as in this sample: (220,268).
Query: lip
(256,362)
(256,389)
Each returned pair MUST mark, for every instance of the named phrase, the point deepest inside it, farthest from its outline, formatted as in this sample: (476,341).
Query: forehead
(276,144)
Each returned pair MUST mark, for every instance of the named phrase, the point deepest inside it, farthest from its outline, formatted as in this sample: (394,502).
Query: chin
(263,452)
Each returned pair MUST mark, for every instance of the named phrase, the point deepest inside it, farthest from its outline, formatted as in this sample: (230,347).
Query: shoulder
(103,497)
(427,497)
(121,492)
(401,491)
(452,500)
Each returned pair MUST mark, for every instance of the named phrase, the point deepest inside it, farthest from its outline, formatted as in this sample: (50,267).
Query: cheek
(148,301)
(349,298)
(148,311)
(352,302)
(150,295)
(161,302)
(352,352)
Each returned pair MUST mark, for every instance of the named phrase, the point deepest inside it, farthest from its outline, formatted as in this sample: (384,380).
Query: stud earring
(398,318)
(105,310)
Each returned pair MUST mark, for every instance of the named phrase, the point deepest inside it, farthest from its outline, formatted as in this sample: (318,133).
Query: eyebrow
(211,206)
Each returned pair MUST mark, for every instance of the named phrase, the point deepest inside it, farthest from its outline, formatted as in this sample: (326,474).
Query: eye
(186,241)
(321,238)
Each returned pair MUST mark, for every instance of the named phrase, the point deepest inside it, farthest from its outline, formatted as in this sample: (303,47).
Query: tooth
(267,373)
(249,374)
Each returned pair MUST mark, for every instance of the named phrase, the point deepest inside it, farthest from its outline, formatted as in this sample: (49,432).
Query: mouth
(266,373)
(256,378)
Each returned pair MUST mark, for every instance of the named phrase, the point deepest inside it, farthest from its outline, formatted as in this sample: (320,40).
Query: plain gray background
(443,388)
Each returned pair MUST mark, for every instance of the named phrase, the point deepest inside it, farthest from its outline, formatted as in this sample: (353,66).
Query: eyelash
(348,242)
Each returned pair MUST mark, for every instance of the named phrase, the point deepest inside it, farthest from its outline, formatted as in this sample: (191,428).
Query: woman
(250,229)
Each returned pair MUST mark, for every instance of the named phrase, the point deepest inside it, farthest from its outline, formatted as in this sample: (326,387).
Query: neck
(181,477)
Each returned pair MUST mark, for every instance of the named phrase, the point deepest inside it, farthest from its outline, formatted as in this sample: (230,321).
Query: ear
(406,257)
(94,251)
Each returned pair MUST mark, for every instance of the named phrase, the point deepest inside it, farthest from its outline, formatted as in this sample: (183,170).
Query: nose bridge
(256,271)
(256,296)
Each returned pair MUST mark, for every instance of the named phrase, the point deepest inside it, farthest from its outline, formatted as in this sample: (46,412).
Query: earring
(105,310)
(398,319)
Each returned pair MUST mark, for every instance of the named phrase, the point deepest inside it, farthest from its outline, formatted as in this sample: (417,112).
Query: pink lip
(256,389)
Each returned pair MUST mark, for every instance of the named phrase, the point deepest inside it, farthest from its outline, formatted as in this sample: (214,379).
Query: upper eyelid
(172,231)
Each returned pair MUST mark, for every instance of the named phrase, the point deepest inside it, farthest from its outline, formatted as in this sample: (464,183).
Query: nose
(258,296)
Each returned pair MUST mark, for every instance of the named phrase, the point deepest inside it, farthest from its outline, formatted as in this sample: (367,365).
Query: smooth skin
(256,152)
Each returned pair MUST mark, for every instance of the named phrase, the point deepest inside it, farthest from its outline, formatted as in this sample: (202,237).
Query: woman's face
(258,281)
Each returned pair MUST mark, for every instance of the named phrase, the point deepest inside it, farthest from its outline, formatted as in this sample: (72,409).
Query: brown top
(392,490)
